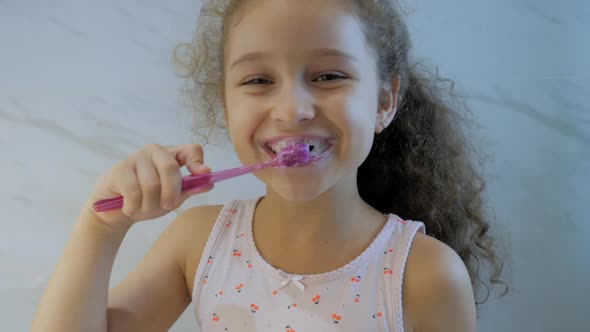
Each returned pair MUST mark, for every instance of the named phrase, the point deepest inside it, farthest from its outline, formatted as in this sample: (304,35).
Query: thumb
(198,190)
(198,168)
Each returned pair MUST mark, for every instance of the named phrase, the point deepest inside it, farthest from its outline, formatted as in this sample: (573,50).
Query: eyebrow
(327,52)
(323,52)
(249,57)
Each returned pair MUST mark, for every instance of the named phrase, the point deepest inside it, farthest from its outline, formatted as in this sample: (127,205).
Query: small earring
(383,125)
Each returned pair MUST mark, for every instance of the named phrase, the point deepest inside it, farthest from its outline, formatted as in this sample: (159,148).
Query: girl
(328,248)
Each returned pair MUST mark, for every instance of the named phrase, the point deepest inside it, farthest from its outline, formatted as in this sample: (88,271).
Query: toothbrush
(291,156)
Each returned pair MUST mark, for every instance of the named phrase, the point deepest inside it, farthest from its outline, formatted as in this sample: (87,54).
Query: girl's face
(301,70)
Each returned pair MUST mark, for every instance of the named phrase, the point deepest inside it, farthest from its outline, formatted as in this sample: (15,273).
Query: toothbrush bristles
(295,155)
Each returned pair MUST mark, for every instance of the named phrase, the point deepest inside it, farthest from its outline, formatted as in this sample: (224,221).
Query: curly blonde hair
(421,167)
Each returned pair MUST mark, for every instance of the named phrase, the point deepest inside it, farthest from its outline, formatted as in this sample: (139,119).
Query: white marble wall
(83,84)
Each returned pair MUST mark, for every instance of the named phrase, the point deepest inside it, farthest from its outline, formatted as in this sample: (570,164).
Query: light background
(85,83)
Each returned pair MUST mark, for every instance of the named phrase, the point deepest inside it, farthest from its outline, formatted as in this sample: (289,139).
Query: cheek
(237,112)
(241,141)
(354,115)
(242,121)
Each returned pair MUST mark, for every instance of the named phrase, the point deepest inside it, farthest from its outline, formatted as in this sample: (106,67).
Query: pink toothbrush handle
(190,182)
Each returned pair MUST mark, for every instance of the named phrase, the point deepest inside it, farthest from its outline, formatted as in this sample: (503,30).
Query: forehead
(292,28)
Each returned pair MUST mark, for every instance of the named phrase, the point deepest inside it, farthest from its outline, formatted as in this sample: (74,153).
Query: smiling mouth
(317,146)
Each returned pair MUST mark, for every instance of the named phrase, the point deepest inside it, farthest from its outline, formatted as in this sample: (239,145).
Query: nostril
(310,148)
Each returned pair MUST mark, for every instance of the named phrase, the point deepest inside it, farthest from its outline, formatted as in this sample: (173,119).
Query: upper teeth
(316,145)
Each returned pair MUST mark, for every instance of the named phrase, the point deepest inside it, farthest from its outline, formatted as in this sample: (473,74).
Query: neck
(338,214)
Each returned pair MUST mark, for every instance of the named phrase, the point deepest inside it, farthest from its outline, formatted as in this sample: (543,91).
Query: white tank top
(237,290)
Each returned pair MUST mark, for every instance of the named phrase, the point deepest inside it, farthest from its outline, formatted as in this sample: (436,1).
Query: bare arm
(155,294)
(76,296)
(437,289)
(150,298)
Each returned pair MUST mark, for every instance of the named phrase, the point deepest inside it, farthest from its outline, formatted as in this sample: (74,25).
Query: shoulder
(198,217)
(437,291)
(194,223)
(191,230)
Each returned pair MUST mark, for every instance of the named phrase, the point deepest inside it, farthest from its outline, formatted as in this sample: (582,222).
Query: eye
(329,77)
(257,81)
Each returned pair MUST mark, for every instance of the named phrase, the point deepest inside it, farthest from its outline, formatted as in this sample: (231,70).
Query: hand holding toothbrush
(150,181)
(148,184)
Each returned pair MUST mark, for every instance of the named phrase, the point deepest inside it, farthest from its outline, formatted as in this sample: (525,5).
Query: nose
(294,105)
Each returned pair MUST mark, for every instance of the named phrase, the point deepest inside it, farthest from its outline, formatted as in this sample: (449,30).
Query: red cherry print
(233,211)
(205,280)
(253,308)
(387,271)
(274,292)
(249,264)
(356,279)
(236,253)
(210,260)
(289,329)
(316,299)
(388,251)
(215,318)
(401,221)
(228,225)
(357,298)
(336,318)
(239,288)
(379,314)
(294,305)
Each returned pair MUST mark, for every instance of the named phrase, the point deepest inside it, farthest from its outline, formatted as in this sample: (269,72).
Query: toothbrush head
(294,155)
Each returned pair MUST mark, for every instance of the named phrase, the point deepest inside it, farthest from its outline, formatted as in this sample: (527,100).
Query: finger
(130,190)
(149,182)
(199,190)
(191,156)
(170,178)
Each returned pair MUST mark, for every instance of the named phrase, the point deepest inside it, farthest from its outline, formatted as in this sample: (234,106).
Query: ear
(388,100)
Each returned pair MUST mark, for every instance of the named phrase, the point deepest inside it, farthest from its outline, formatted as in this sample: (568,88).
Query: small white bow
(296,280)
